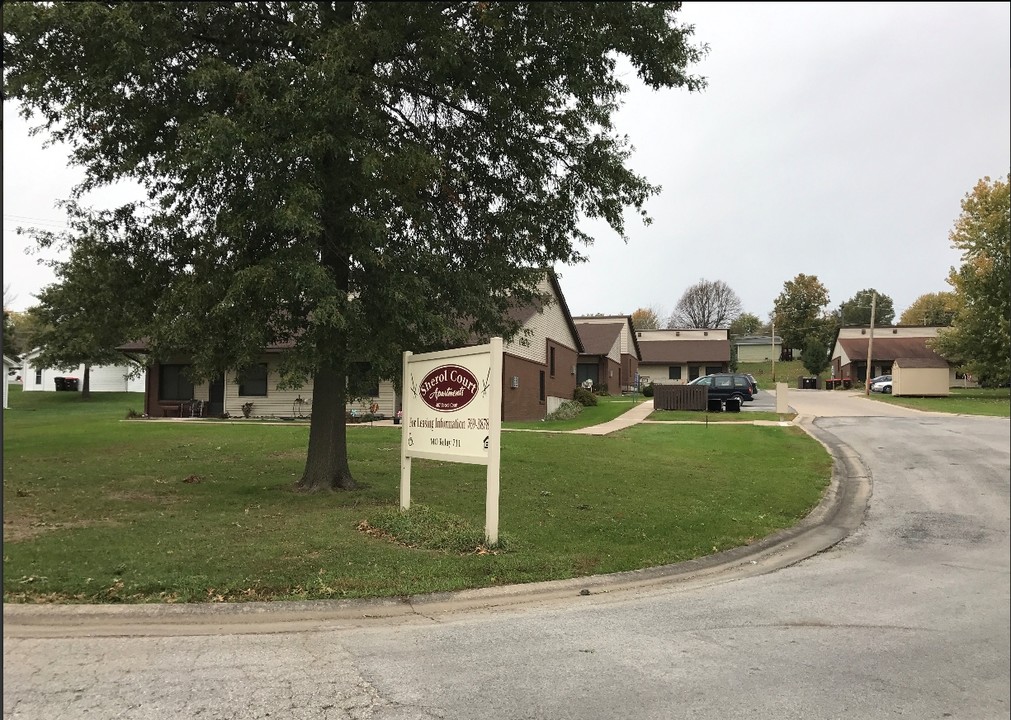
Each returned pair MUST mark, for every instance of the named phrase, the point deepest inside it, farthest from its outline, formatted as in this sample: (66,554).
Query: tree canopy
(980,337)
(706,304)
(100,298)
(745,324)
(346,180)
(935,309)
(646,319)
(799,310)
(857,310)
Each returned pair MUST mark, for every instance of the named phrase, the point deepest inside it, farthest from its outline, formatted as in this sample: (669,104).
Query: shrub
(584,397)
(647,390)
(566,411)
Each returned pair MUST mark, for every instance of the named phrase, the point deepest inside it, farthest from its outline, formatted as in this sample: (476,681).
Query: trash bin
(733,405)
(715,405)
(71,384)
(61,383)
(847,384)
(831,384)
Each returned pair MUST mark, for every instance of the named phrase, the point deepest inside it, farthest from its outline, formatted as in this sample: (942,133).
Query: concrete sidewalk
(626,420)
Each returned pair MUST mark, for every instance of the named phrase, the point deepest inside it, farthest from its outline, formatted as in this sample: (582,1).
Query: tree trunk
(326,463)
(86,383)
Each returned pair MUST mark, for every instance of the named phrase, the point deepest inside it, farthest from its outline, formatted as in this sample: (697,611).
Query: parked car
(754,383)
(881,384)
(727,385)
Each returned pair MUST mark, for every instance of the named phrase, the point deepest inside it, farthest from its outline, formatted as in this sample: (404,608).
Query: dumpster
(71,384)
(61,383)
(715,405)
(809,383)
(733,405)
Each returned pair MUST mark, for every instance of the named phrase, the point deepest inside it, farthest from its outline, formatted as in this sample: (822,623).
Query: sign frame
(490,354)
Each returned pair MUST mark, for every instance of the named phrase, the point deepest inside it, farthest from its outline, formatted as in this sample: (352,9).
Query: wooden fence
(680,397)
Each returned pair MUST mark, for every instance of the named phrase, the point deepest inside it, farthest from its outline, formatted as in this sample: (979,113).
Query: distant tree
(99,300)
(980,337)
(815,357)
(933,309)
(745,324)
(646,319)
(706,304)
(26,331)
(799,310)
(857,310)
(347,179)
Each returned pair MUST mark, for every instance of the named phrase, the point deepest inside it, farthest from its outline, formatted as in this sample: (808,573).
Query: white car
(882,384)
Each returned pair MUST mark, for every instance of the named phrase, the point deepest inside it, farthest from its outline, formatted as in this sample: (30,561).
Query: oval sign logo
(448,388)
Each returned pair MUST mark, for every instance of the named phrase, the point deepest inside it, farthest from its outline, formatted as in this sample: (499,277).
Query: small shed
(920,376)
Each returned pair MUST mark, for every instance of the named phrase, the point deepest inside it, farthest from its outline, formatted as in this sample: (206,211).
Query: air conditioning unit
(514,382)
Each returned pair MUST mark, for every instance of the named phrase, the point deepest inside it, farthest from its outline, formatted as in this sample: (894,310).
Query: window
(542,395)
(173,383)
(674,372)
(713,369)
(38,376)
(253,380)
(551,361)
(722,381)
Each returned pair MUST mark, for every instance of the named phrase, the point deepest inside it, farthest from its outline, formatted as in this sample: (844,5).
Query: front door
(216,397)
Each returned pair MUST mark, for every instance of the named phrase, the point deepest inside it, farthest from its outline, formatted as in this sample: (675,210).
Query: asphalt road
(906,616)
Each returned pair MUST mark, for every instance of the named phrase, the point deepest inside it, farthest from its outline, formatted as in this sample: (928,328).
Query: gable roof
(889,348)
(598,338)
(685,351)
(623,320)
(524,313)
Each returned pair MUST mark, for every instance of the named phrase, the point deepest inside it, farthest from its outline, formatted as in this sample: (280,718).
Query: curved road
(907,616)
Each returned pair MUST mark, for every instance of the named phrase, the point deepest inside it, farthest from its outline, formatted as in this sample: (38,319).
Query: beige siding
(103,378)
(281,403)
(626,333)
(660,374)
(550,323)
(687,334)
(919,381)
(756,353)
(915,331)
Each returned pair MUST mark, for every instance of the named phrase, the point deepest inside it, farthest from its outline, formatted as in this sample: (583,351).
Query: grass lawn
(607,408)
(786,372)
(699,416)
(963,401)
(98,509)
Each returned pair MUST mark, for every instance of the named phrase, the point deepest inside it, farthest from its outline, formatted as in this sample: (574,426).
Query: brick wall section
(523,402)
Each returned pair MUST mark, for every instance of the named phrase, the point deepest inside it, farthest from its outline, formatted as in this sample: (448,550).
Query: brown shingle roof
(934,362)
(685,351)
(598,338)
(888,348)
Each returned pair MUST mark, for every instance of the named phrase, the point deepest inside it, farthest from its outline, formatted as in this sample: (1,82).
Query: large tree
(980,337)
(799,311)
(706,304)
(102,293)
(857,310)
(937,309)
(351,179)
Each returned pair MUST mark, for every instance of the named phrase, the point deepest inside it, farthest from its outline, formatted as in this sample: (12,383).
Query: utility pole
(870,347)
(773,350)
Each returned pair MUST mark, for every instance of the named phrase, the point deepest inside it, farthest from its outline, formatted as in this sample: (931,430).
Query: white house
(8,366)
(104,378)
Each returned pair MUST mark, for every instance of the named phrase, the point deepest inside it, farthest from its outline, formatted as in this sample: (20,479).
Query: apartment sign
(452,411)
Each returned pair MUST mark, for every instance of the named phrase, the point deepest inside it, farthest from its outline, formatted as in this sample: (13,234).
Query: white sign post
(453,412)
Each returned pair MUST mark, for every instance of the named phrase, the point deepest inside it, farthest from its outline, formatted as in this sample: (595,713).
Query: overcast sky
(834,140)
